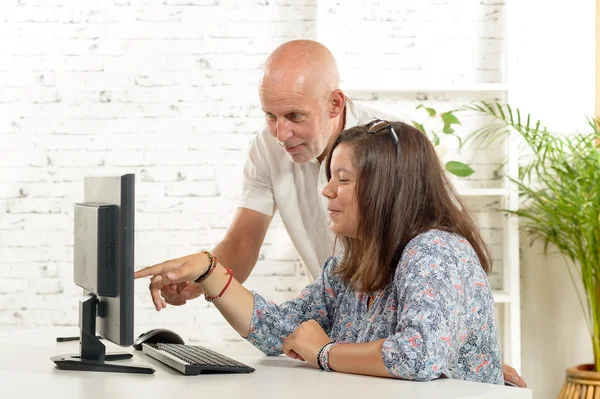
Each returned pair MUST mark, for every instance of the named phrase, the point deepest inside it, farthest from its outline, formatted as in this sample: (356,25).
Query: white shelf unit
(508,297)
(483,192)
(501,297)
(428,88)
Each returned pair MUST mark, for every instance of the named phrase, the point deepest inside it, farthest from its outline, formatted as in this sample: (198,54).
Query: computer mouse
(157,335)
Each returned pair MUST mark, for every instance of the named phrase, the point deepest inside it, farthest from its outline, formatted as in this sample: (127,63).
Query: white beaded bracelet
(324,358)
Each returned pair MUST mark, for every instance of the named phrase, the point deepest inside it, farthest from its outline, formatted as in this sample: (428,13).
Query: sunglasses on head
(377,125)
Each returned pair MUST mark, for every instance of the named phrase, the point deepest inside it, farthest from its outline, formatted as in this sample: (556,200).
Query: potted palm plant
(559,188)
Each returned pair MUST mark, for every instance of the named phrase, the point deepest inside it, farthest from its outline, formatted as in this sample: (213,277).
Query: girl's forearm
(364,358)
(236,303)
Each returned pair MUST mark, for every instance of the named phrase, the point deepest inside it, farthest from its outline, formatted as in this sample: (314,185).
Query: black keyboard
(194,360)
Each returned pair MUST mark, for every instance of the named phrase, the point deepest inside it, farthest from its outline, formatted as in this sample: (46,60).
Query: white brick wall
(167,90)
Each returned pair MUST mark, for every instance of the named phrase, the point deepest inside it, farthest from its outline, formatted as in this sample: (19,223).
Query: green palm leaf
(559,188)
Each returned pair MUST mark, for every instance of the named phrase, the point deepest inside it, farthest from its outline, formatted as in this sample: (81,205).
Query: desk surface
(26,371)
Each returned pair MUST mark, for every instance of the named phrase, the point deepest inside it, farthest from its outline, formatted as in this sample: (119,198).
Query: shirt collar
(351,114)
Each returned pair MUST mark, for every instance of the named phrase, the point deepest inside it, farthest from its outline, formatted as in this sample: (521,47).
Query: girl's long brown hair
(400,194)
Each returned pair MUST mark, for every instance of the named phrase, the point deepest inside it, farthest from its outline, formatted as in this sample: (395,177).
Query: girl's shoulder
(436,241)
(435,247)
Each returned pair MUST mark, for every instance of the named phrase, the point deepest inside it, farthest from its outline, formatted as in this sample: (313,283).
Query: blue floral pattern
(436,315)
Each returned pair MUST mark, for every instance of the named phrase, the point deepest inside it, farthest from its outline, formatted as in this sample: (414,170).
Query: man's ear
(337,102)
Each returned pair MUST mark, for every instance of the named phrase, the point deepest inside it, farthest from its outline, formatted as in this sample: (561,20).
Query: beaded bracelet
(211,267)
(323,356)
(214,298)
(319,355)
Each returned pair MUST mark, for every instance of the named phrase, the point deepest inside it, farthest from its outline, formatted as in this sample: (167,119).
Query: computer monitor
(103,266)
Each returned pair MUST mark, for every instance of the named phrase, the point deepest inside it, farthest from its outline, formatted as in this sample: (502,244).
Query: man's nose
(283,130)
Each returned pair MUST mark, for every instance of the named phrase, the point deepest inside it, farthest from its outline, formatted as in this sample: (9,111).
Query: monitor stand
(93,356)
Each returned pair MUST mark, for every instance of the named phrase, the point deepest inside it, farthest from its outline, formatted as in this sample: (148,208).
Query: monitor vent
(112,254)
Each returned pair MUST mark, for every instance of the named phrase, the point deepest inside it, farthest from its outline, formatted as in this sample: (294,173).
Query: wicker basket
(581,383)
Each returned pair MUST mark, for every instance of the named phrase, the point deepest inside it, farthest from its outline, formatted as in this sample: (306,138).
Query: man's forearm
(236,256)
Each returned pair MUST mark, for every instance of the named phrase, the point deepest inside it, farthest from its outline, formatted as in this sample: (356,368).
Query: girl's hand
(305,342)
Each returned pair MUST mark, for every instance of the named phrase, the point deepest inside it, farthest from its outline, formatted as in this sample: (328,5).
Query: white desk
(26,371)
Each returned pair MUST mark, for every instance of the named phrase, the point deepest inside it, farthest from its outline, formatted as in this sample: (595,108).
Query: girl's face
(340,192)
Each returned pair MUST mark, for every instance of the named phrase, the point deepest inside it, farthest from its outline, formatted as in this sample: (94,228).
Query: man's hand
(188,269)
(178,294)
(305,342)
(511,375)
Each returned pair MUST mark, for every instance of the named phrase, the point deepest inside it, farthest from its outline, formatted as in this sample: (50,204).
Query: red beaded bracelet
(214,298)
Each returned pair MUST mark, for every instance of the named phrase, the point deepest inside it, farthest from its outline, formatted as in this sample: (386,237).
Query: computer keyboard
(194,360)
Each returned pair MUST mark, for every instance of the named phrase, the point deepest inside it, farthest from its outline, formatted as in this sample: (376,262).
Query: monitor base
(92,353)
(75,362)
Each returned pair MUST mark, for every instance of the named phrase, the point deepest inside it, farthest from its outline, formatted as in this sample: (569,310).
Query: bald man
(304,111)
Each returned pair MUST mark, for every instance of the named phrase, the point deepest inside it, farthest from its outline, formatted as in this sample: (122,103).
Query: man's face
(298,121)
